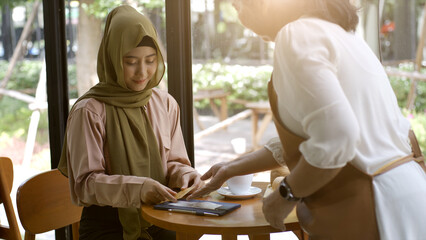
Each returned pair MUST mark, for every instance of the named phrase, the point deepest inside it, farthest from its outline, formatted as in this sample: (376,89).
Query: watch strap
(286,192)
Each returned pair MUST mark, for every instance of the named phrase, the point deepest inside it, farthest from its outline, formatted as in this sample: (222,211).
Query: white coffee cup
(240,185)
(239,145)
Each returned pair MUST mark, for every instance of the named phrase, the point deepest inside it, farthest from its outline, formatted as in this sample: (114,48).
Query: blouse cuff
(275,147)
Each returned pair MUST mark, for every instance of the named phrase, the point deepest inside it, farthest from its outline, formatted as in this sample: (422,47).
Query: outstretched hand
(218,175)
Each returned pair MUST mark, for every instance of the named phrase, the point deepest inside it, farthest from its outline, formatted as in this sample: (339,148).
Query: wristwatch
(285,191)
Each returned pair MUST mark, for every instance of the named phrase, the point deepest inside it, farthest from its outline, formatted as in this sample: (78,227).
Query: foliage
(101,8)
(418,124)
(418,2)
(15,115)
(228,12)
(72,81)
(248,83)
(401,86)
(13,3)
(152,3)
(15,118)
(25,75)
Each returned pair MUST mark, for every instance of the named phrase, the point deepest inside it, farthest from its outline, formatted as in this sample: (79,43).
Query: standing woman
(353,173)
(124,145)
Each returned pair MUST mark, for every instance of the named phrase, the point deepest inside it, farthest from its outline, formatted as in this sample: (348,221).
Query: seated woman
(124,145)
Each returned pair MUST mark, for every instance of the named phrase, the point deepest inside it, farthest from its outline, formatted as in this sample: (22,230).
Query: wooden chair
(44,204)
(6,181)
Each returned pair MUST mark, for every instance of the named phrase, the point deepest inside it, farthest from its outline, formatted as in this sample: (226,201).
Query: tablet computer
(198,207)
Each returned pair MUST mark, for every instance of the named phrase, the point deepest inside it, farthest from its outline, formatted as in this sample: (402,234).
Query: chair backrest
(6,181)
(44,204)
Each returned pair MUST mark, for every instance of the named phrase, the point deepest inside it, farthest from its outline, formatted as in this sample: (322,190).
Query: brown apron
(343,208)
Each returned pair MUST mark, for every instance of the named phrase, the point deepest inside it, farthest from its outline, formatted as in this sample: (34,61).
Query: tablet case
(223,209)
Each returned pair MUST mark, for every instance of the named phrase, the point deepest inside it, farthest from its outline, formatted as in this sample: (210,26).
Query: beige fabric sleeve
(171,142)
(275,147)
(87,162)
(88,158)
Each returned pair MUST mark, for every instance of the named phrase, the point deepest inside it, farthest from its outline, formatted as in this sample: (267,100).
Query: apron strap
(416,156)
(393,164)
(417,153)
(415,146)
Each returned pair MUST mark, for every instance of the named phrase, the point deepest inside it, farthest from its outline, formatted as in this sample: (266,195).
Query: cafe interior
(218,123)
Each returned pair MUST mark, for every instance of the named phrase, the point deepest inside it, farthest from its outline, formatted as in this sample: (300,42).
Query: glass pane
(23,110)
(402,35)
(24,136)
(232,64)
(231,68)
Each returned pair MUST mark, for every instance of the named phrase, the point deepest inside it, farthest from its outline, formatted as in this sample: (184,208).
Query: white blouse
(333,91)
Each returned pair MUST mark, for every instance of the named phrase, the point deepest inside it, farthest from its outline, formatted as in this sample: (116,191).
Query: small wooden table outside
(247,220)
(258,108)
(212,95)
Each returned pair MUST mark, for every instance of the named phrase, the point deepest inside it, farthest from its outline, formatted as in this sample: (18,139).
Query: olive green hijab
(131,141)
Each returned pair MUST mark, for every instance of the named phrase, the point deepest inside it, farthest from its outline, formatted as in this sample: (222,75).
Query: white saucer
(253,191)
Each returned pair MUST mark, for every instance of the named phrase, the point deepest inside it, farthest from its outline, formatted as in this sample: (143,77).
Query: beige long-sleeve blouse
(88,160)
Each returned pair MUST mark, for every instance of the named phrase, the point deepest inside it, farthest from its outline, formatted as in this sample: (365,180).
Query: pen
(193,212)
(211,214)
(182,211)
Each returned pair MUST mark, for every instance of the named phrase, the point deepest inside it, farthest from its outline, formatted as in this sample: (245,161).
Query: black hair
(147,42)
(341,12)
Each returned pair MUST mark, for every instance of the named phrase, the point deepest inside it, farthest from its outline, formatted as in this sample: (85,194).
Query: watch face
(283,189)
(286,193)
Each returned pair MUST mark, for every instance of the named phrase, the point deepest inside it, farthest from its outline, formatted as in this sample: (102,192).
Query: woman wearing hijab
(353,173)
(124,145)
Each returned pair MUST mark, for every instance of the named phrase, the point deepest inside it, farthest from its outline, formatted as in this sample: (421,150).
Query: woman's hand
(218,175)
(153,192)
(276,209)
(256,161)
(191,179)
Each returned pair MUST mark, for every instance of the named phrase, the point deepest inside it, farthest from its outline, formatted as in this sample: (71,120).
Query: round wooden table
(247,220)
